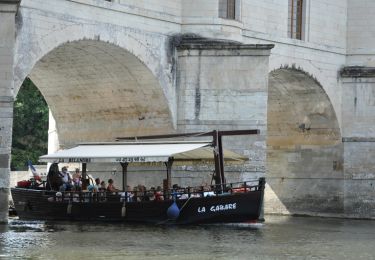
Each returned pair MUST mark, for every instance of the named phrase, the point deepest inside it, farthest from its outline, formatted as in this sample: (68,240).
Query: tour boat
(222,203)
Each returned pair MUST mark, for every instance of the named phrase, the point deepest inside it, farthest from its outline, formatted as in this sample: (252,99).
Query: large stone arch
(98,91)
(304,147)
(141,55)
(327,78)
(34,42)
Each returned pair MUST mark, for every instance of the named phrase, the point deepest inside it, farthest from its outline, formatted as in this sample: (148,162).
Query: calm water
(277,238)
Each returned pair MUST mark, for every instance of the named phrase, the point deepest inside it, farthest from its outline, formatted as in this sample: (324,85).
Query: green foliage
(30,126)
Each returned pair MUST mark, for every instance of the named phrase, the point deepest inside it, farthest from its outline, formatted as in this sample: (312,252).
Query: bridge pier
(8,9)
(223,85)
(358,139)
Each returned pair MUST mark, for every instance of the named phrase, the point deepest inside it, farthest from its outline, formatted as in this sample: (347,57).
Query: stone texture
(7,42)
(107,94)
(219,90)
(4,202)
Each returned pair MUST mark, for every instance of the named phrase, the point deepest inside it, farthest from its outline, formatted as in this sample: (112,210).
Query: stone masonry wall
(219,90)
(358,139)
(7,41)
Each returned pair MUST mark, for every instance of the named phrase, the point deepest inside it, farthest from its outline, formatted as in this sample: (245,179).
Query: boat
(222,203)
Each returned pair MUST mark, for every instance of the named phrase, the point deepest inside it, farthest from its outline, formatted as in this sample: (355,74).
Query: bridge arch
(304,147)
(124,71)
(98,91)
(327,81)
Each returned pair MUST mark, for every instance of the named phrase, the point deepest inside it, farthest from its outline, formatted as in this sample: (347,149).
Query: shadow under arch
(98,91)
(304,147)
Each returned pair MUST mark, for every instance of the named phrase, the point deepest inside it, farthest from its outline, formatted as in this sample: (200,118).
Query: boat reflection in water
(277,238)
(225,202)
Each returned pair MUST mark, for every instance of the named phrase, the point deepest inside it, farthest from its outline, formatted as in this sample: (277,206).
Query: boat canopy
(138,152)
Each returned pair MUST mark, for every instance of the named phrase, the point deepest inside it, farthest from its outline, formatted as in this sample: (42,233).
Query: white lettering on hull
(218,208)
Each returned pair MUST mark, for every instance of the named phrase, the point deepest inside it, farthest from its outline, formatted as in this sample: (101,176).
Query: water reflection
(278,238)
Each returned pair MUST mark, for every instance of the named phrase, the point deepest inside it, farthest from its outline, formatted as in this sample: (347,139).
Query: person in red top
(111,187)
(159,194)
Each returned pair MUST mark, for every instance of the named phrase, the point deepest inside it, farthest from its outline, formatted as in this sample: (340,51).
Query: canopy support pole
(217,175)
(169,172)
(124,166)
(84,177)
(221,159)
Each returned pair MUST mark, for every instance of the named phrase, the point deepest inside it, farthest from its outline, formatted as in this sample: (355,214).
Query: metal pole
(221,159)
(84,176)
(169,172)
(124,175)
(217,158)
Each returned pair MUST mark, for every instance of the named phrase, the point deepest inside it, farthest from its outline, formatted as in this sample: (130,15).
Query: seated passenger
(102,186)
(136,194)
(196,193)
(77,180)
(94,187)
(111,187)
(207,192)
(150,196)
(129,194)
(97,184)
(139,193)
(67,180)
(54,180)
(159,194)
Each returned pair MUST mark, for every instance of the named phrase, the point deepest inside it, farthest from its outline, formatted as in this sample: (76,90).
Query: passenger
(207,192)
(145,193)
(77,180)
(101,189)
(111,187)
(186,193)
(129,194)
(206,187)
(54,179)
(94,187)
(138,194)
(141,194)
(67,180)
(135,194)
(151,194)
(97,182)
(196,193)
(159,194)
(102,186)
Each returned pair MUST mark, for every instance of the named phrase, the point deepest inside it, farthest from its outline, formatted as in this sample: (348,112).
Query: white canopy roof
(137,152)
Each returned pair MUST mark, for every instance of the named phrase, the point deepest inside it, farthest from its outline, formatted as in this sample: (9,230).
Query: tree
(30,126)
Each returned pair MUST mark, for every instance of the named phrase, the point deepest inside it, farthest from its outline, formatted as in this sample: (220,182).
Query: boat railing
(176,193)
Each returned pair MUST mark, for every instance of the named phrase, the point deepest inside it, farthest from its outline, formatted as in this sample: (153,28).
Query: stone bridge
(130,67)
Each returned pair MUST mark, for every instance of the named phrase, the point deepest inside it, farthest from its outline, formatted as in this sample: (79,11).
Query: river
(277,238)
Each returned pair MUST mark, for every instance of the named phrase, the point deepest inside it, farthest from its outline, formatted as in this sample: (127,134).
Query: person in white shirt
(67,180)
